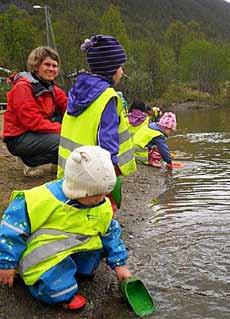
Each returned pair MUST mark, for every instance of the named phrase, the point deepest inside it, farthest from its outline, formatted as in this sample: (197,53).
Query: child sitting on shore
(58,230)
(150,141)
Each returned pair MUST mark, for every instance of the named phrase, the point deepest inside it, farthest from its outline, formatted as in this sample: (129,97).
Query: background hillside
(152,17)
(168,42)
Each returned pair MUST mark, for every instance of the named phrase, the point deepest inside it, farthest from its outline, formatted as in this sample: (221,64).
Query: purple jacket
(89,87)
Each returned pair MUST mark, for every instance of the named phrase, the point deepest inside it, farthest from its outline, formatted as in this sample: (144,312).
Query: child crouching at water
(58,230)
(137,116)
(150,141)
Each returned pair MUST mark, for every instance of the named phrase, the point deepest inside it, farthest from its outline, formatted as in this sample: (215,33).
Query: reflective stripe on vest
(77,131)
(50,249)
(124,136)
(46,231)
(70,145)
(126,157)
(142,155)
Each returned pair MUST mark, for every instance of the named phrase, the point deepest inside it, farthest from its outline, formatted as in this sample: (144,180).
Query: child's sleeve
(162,146)
(14,230)
(113,245)
(108,137)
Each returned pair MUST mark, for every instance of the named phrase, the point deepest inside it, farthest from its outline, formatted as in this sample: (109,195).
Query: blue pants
(59,283)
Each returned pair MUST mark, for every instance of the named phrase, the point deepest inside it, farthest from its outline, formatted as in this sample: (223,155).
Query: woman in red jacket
(35,106)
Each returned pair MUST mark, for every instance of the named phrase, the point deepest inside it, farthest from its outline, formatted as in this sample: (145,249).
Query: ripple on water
(184,251)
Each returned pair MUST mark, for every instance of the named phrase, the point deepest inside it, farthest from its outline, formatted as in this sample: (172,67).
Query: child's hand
(7,277)
(122,272)
(169,166)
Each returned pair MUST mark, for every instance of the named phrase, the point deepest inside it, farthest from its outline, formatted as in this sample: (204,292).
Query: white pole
(47,24)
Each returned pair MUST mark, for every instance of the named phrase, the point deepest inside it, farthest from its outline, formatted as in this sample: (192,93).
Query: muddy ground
(104,299)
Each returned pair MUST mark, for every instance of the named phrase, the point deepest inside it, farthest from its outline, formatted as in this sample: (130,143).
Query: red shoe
(77,302)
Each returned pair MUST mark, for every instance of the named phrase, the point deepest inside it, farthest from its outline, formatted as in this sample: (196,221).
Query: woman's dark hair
(138,105)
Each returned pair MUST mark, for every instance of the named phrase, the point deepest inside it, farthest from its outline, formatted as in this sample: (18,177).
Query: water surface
(184,246)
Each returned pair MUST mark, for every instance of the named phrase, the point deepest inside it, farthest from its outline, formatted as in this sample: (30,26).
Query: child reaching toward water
(150,141)
(137,116)
(58,230)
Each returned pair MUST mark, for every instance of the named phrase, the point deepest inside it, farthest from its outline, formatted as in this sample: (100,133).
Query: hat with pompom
(168,120)
(88,171)
(105,54)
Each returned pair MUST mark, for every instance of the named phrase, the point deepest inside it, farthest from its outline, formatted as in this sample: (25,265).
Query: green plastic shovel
(137,295)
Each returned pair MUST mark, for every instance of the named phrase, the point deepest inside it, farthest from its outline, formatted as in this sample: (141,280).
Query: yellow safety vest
(82,130)
(141,139)
(58,230)
(134,129)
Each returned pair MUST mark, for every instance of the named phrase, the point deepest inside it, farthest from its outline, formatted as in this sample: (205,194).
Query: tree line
(182,55)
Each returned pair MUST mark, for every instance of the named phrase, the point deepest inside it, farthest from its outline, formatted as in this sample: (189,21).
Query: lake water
(186,239)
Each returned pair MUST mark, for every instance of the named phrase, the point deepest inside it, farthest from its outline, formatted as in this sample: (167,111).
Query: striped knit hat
(104,54)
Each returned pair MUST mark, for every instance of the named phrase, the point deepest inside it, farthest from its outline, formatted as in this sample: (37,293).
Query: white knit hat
(88,171)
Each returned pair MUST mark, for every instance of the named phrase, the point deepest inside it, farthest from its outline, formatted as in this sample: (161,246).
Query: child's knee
(58,284)
(87,262)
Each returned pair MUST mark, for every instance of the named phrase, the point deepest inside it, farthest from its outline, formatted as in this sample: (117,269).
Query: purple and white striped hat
(104,54)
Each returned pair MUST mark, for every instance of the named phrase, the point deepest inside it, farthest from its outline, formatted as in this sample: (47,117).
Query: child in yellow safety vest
(57,231)
(150,141)
(154,113)
(95,115)
(137,116)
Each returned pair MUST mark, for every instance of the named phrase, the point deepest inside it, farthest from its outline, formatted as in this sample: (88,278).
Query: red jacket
(30,108)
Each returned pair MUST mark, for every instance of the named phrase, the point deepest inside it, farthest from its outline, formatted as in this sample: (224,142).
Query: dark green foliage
(17,37)
(206,64)
(165,40)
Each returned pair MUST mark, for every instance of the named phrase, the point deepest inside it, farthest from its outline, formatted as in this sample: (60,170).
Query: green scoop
(137,295)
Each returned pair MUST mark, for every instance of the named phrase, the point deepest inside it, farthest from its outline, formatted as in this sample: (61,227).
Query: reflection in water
(188,233)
